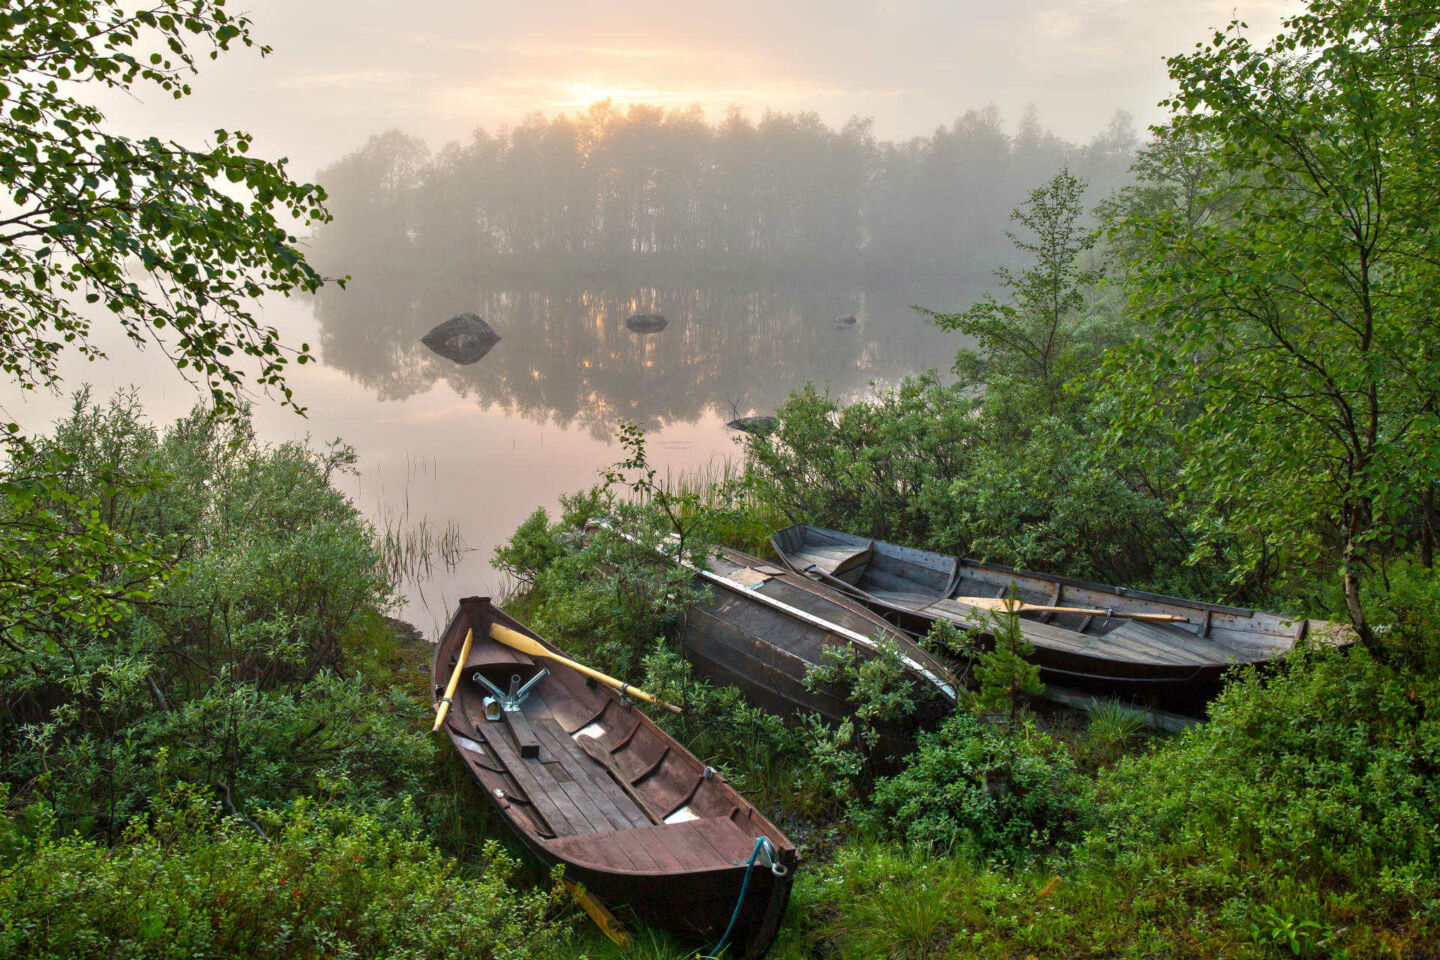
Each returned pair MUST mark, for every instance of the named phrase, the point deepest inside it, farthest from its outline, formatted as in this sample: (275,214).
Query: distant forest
(644,189)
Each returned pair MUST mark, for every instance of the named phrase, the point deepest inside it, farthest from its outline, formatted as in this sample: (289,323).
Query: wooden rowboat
(586,780)
(764,627)
(1144,647)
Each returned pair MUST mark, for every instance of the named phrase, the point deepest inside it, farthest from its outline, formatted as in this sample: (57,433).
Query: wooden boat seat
(834,559)
(710,843)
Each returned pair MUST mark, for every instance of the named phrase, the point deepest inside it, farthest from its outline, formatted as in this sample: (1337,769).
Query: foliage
(876,685)
(884,466)
(920,464)
(1293,338)
(950,795)
(603,590)
(237,672)
(1035,342)
(1407,606)
(65,566)
(88,204)
(1307,798)
(322,881)
(1112,727)
(1005,675)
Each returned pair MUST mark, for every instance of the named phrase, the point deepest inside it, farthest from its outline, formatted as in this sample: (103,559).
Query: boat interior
(584,770)
(928,584)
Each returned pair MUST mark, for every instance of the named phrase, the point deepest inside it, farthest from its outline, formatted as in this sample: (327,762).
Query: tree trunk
(1427,525)
(1353,605)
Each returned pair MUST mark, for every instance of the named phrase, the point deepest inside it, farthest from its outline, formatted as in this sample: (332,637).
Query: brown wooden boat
(585,779)
(1175,661)
(764,627)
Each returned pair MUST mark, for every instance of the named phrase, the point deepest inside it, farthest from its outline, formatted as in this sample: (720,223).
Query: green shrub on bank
(970,787)
(1312,796)
(241,672)
(326,883)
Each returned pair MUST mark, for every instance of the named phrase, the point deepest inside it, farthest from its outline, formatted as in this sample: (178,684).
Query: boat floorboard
(577,804)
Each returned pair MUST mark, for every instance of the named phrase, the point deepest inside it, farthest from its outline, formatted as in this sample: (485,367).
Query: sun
(584,93)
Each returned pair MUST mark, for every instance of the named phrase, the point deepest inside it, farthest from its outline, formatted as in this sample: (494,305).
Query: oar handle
(518,641)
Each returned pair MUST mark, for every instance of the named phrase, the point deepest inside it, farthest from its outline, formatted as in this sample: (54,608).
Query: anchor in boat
(507,706)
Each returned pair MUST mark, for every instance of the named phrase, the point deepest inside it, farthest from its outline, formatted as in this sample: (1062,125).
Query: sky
(343,70)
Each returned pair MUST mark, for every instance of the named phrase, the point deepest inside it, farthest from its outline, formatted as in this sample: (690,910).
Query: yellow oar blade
(518,641)
(597,911)
(444,708)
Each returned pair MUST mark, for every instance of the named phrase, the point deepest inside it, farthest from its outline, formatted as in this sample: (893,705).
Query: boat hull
(736,639)
(1176,661)
(650,830)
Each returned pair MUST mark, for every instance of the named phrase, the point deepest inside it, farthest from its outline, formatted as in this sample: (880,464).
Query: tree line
(612,187)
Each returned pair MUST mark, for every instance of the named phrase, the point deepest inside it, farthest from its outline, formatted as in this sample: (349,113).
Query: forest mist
(655,194)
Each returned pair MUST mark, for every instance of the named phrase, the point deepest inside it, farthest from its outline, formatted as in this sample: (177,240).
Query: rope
(744,886)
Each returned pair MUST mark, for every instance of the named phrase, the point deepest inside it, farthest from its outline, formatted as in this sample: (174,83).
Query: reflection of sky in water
(484,445)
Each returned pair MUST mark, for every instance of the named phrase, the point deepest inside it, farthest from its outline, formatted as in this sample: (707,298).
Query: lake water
(481,446)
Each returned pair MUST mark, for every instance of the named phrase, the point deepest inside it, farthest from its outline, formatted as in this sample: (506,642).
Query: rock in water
(463,339)
(846,321)
(756,425)
(647,323)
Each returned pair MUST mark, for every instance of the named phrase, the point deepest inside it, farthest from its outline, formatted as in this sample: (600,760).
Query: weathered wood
(525,740)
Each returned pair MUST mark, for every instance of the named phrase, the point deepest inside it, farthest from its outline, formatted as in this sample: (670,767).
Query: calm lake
(481,446)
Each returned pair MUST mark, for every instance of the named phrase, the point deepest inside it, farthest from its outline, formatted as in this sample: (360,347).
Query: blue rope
(744,886)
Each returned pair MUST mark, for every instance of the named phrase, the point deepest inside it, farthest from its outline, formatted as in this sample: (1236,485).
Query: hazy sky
(345,69)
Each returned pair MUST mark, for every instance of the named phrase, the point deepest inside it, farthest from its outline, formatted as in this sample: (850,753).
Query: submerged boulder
(647,323)
(756,425)
(463,339)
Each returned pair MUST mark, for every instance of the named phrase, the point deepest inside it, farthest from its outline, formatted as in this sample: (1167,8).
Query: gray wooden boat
(764,627)
(1175,665)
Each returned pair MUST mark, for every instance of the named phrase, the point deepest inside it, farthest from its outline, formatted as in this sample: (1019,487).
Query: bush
(240,669)
(1308,799)
(603,593)
(970,787)
(326,883)
(928,465)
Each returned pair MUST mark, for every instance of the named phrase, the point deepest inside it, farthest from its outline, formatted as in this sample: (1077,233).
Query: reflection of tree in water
(567,357)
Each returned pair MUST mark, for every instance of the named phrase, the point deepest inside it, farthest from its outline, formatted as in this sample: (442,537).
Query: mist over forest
(658,193)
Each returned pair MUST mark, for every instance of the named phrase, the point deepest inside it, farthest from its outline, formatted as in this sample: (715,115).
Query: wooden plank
(618,808)
(1151,637)
(538,797)
(525,740)
(618,780)
(679,839)
(594,717)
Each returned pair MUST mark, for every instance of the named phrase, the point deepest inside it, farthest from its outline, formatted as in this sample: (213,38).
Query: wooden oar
(1006,605)
(518,641)
(454,681)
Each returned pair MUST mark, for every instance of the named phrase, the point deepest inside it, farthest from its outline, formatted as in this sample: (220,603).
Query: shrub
(1311,795)
(323,882)
(241,668)
(969,786)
